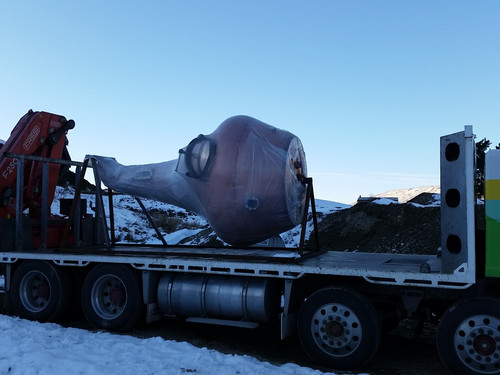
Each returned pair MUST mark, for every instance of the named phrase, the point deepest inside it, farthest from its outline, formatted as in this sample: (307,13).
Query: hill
(383,225)
(405,195)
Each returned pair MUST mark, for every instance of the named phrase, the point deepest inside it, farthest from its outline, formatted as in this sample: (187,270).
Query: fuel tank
(223,297)
(245,178)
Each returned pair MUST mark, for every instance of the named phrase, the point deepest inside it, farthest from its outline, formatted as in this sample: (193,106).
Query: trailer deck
(383,268)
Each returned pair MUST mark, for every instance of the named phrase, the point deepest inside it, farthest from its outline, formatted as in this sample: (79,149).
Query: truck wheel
(468,336)
(339,328)
(40,291)
(112,297)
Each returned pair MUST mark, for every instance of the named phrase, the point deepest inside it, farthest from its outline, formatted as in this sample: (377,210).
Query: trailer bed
(383,268)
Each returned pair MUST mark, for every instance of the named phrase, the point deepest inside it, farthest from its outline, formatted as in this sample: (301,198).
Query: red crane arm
(36,133)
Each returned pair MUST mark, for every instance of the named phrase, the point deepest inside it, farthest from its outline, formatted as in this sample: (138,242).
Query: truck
(337,303)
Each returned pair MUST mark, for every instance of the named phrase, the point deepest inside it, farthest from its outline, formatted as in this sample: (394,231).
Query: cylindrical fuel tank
(222,297)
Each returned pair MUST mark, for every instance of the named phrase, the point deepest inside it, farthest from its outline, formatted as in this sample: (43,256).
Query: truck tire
(40,291)
(112,297)
(468,337)
(339,328)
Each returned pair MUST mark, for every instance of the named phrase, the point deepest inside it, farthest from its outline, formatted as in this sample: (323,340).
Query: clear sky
(368,86)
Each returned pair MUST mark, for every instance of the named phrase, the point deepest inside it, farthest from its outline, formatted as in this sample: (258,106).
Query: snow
(49,349)
(404,195)
(327,207)
(384,201)
(435,202)
(129,219)
(177,236)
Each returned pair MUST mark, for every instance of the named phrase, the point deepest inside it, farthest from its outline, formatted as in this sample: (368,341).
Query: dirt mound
(406,228)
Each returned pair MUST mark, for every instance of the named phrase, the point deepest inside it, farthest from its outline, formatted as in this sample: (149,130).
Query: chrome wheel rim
(477,343)
(109,297)
(336,329)
(34,291)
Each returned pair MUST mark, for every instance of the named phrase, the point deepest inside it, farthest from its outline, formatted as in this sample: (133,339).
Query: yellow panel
(492,189)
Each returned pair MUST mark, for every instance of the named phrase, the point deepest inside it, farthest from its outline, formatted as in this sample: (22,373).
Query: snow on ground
(31,348)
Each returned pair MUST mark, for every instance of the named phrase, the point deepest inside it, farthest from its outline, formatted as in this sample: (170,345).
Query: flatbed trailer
(376,268)
(338,303)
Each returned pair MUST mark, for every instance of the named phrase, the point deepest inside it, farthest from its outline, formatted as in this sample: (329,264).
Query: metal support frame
(302,253)
(75,211)
(100,213)
(21,158)
(457,202)
(309,201)
(151,221)
(149,290)
(288,315)
(101,228)
(111,217)
(77,214)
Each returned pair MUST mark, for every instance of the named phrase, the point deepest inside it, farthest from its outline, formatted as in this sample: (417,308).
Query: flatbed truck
(338,303)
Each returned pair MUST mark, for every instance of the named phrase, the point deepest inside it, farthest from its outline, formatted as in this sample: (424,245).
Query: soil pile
(406,228)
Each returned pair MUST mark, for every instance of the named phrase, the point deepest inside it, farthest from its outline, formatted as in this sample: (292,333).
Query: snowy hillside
(177,225)
(404,195)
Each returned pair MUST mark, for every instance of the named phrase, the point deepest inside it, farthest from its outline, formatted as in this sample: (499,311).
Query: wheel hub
(477,343)
(42,290)
(116,296)
(109,297)
(34,291)
(336,329)
(484,345)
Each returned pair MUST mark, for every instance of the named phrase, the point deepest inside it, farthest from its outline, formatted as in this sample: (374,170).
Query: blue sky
(368,86)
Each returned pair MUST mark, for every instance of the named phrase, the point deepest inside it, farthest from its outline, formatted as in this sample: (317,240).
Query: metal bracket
(411,300)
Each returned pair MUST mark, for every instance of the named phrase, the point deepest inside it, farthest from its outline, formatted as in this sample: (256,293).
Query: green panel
(492,247)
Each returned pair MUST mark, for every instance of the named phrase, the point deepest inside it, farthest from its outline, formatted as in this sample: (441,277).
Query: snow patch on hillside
(405,195)
(176,224)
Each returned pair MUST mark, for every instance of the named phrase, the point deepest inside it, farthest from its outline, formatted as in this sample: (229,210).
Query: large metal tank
(245,178)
